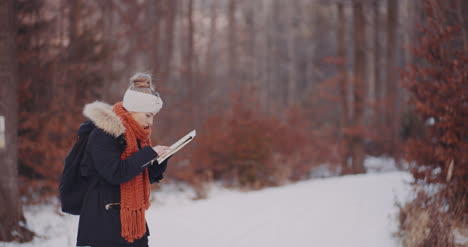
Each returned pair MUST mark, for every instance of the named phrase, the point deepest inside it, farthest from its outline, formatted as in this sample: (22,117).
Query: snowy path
(345,211)
(342,211)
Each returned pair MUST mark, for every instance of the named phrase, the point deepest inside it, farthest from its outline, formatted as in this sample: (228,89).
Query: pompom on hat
(141,95)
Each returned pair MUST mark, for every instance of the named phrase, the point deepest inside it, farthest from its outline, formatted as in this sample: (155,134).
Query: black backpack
(74,180)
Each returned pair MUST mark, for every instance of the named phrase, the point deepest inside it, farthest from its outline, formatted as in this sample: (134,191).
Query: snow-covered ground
(355,210)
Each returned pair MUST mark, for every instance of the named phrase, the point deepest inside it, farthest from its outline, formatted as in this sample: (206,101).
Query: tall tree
(376,64)
(11,212)
(232,43)
(209,54)
(155,17)
(189,59)
(357,142)
(393,112)
(169,30)
(342,86)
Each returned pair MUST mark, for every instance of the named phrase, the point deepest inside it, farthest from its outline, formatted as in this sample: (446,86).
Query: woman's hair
(141,82)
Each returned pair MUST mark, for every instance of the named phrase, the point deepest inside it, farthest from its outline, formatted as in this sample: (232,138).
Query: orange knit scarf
(134,194)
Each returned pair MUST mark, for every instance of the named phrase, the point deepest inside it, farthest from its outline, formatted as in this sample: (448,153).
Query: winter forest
(293,101)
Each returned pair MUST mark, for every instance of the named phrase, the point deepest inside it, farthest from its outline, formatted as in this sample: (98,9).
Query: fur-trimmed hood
(102,115)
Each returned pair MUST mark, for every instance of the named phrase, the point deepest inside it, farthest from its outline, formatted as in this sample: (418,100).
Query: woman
(119,158)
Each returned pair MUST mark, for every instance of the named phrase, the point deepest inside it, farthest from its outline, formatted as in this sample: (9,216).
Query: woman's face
(145,119)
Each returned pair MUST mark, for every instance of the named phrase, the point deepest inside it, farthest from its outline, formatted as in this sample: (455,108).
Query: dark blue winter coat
(99,224)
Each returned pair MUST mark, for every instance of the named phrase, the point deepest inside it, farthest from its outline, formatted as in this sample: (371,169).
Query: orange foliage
(439,89)
(251,149)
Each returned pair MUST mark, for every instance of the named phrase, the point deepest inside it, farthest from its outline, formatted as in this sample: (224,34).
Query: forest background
(274,88)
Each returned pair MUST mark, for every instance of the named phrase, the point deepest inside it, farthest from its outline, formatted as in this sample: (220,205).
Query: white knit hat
(142,102)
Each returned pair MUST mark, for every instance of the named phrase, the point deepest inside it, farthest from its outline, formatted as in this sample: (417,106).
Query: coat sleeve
(156,171)
(105,153)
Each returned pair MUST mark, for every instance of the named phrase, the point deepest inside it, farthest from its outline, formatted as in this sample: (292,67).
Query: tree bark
(189,60)
(155,16)
(232,43)
(357,145)
(392,114)
(169,30)
(210,58)
(377,76)
(11,211)
(73,19)
(462,10)
(342,87)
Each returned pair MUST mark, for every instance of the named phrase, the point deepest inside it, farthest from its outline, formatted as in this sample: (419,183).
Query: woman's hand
(161,150)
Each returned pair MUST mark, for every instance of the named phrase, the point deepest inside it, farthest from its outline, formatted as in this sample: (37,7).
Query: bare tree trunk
(282,56)
(211,36)
(377,72)
(357,144)
(107,8)
(232,43)
(154,15)
(291,96)
(73,20)
(11,211)
(462,8)
(342,87)
(392,113)
(209,68)
(189,60)
(250,67)
(264,58)
(269,56)
(171,10)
